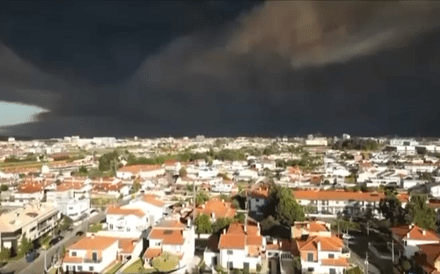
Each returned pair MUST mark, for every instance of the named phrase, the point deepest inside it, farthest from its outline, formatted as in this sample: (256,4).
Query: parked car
(347,237)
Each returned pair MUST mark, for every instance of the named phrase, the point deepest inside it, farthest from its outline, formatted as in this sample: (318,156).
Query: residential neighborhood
(334,205)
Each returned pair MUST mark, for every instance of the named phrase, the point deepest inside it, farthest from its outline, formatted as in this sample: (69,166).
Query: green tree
(26,246)
(5,254)
(82,170)
(220,224)
(108,161)
(391,208)
(136,186)
(165,262)
(201,197)
(420,213)
(203,224)
(284,206)
(241,217)
(4,188)
(182,172)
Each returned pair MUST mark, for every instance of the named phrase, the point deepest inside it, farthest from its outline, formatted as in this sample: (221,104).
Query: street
(37,266)
(359,248)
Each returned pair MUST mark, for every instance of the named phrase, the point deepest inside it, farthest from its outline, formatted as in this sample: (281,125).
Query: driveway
(37,266)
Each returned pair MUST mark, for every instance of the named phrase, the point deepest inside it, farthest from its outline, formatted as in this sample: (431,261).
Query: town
(310,204)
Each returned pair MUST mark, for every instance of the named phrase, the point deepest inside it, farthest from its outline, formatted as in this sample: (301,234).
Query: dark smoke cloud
(283,67)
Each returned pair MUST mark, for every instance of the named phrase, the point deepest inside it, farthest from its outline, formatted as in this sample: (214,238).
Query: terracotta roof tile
(152,252)
(135,169)
(151,199)
(341,195)
(219,208)
(415,233)
(336,262)
(116,210)
(94,243)
(168,236)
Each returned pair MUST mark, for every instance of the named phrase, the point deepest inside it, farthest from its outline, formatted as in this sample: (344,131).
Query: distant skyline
(219,68)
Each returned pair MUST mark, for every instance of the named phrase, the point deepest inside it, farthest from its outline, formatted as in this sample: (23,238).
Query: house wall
(257,204)
(237,258)
(152,173)
(411,246)
(124,175)
(108,255)
(127,223)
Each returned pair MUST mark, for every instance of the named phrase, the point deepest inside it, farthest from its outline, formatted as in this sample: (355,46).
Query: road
(359,248)
(37,266)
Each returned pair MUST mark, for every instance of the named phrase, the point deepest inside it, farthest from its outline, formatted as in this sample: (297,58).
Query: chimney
(188,222)
(319,245)
(424,232)
(224,230)
(275,241)
(407,235)
(92,236)
(213,215)
(281,244)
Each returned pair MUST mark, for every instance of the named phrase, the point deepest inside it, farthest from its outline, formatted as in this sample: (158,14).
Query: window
(73,253)
(310,257)
(158,244)
(111,226)
(80,268)
(310,269)
(230,252)
(94,256)
(90,268)
(331,256)
(332,271)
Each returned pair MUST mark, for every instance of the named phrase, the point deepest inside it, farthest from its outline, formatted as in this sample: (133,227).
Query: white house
(71,198)
(149,203)
(407,238)
(173,237)
(319,250)
(122,219)
(143,171)
(258,199)
(91,254)
(222,187)
(239,247)
(246,175)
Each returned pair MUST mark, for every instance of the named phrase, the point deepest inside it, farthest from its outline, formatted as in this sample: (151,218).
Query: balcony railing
(91,261)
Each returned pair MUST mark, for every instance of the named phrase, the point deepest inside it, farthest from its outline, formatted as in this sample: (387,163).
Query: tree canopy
(107,161)
(182,172)
(392,209)
(165,262)
(283,206)
(203,224)
(201,197)
(420,213)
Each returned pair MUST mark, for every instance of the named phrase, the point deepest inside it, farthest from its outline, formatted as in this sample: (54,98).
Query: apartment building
(173,237)
(320,251)
(408,238)
(32,221)
(240,246)
(333,202)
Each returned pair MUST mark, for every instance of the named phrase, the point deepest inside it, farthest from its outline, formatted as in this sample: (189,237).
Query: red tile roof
(343,195)
(168,236)
(427,258)
(152,252)
(94,243)
(336,262)
(237,238)
(151,199)
(327,243)
(219,208)
(415,233)
(116,210)
(135,169)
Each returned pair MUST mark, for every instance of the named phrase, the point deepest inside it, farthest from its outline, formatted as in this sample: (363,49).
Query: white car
(347,237)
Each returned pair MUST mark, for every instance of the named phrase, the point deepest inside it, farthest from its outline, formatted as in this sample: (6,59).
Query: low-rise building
(258,199)
(122,219)
(428,258)
(319,250)
(71,198)
(239,247)
(143,171)
(216,208)
(91,254)
(31,221)
(173,237)
(408,238)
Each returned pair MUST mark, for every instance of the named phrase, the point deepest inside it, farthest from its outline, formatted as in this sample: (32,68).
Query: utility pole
(366,262)
(194,205)
(392,250)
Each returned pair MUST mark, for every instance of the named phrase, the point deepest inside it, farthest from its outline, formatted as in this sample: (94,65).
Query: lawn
(95,227)
(137,267)
(115,268)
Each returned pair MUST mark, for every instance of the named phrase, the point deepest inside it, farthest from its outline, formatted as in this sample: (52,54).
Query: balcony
(91,261)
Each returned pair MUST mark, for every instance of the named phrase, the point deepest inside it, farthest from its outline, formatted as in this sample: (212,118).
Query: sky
(216,68)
